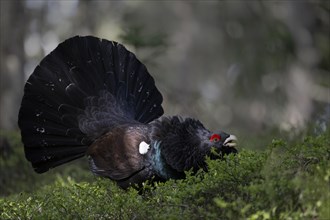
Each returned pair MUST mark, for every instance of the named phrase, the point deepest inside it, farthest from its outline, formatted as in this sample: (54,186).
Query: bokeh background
(246,67)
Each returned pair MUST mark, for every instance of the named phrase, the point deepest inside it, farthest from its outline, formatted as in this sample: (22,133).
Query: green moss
(287,181)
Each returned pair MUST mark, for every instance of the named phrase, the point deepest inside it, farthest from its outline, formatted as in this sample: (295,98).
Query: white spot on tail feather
(143,147)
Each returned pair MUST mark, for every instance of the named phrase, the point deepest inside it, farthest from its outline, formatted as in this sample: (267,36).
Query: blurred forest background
(246,67)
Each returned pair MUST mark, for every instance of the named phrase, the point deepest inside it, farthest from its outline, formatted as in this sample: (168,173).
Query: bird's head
(222,143)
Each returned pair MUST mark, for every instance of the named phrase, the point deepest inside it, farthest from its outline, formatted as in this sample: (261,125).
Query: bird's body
(93,97)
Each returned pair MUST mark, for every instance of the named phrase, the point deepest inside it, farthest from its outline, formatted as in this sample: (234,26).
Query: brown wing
(116,154)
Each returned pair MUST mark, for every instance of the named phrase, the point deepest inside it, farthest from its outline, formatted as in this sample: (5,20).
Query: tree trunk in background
(12,61)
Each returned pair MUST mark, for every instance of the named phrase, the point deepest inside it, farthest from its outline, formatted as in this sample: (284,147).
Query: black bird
(93,97)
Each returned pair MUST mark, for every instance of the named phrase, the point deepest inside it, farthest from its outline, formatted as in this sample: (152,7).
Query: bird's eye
(215,138)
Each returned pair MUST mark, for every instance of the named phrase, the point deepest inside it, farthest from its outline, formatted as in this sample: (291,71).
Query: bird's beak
(231,141)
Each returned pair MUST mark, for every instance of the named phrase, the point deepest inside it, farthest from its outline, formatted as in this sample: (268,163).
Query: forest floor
(286,180)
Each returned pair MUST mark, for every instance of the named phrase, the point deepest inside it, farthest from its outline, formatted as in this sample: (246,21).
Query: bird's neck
(158,161)
(162,169)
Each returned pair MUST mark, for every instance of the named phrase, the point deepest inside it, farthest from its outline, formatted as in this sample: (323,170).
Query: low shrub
(286,181)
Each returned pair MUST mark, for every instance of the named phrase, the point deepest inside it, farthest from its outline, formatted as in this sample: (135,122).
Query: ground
(287,180)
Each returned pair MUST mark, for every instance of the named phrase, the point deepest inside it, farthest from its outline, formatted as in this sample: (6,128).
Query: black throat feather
(183,143)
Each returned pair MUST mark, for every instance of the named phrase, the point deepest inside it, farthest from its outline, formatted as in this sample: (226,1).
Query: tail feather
(57,157)
(82,89)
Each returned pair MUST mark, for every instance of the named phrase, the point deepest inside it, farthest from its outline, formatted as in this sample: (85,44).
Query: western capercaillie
(93,97)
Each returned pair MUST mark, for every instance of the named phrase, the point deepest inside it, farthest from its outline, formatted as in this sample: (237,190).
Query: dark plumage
(93,97)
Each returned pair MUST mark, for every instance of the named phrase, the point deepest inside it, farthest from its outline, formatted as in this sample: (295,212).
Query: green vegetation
(286,181)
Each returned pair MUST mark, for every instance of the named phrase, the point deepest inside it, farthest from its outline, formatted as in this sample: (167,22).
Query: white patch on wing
(143,147)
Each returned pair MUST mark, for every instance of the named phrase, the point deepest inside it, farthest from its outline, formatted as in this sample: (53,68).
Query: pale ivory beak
(231,141)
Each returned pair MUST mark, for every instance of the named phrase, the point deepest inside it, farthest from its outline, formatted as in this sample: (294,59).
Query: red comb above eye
(215,137)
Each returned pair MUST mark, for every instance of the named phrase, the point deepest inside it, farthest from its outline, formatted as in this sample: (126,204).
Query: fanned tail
(81,90)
